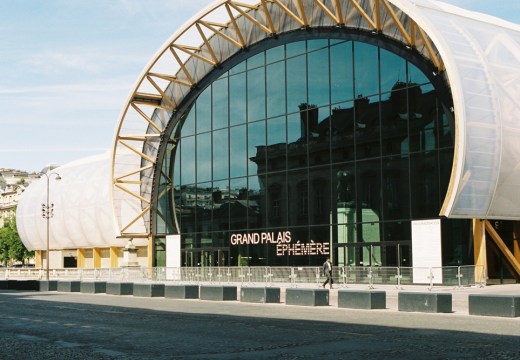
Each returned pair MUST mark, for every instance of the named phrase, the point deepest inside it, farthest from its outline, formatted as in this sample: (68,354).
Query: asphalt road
(79,326)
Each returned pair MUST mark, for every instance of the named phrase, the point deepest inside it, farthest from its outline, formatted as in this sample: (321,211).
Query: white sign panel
(173,257)
(426,251)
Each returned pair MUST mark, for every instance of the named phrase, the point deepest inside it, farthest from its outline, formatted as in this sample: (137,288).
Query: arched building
(277,132)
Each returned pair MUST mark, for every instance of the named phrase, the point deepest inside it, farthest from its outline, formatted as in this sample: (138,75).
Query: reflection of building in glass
(327,172)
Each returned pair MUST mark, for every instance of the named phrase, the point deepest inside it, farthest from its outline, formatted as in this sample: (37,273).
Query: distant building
(12,185)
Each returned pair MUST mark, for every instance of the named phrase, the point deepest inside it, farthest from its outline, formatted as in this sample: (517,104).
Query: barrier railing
(457,276)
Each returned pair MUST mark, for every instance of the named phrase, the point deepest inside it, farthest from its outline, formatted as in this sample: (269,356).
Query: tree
(11,246)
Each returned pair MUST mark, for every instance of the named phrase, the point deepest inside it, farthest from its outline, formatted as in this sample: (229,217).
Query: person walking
(327,270)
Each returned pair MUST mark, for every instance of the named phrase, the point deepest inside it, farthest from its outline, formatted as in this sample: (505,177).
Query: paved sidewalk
(58,325)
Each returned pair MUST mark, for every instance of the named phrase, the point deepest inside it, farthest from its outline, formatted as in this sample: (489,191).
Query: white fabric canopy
(83,213)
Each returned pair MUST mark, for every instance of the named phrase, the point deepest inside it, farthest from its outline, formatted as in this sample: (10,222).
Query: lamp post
(47,213)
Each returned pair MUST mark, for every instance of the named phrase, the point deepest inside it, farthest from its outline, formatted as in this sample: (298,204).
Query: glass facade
(310,148)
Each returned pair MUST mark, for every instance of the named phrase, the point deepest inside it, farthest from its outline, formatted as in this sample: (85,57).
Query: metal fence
(457,276)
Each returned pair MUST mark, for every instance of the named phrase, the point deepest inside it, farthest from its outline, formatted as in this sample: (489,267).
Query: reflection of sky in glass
(189,124)
(256,94)
(188,160)
(393,69)
(256,61)
(295,48)
(365,69)
(220,103)
(274,54)
(276,131)
(276,86)
(204,111)
(237,99)
(237,150)
(204,157)
(255,137)
(296,83)
(341,77)
(415,75)
(220,154)
(254,184)
(318,77)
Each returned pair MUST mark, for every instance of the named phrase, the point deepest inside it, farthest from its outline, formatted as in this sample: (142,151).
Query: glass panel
(220,104)
(295,48)
(396,188)
(298,190)
(276,142)
(319,136)
(342,132)
(275,89)
(256,209)
(256,147)
(343,188)
(275,54)
(220,154)
(188,160)
(256,61)
(319,196)
(296,83)
(398,231)
(276,199)
(297,140)
(177,165)
(367,127)
(238,151)
(204,111)
(256,94)
(415,75)
(394,123)
(203,157)
(220,205)
(187,197)
(241,67)
(318,77)
(366,69)
(237,99)
(341,77)
(188,128)
(421,124)
(294,128)
(238,203)
(368,179)
(424,189)
(317,44)
(203,206)
(393,72)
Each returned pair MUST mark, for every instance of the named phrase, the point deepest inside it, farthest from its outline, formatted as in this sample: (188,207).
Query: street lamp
(47,213)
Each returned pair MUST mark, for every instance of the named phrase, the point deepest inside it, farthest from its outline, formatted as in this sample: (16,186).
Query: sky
(68,66)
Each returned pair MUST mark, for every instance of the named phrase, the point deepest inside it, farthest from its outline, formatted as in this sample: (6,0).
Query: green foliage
(11,247)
